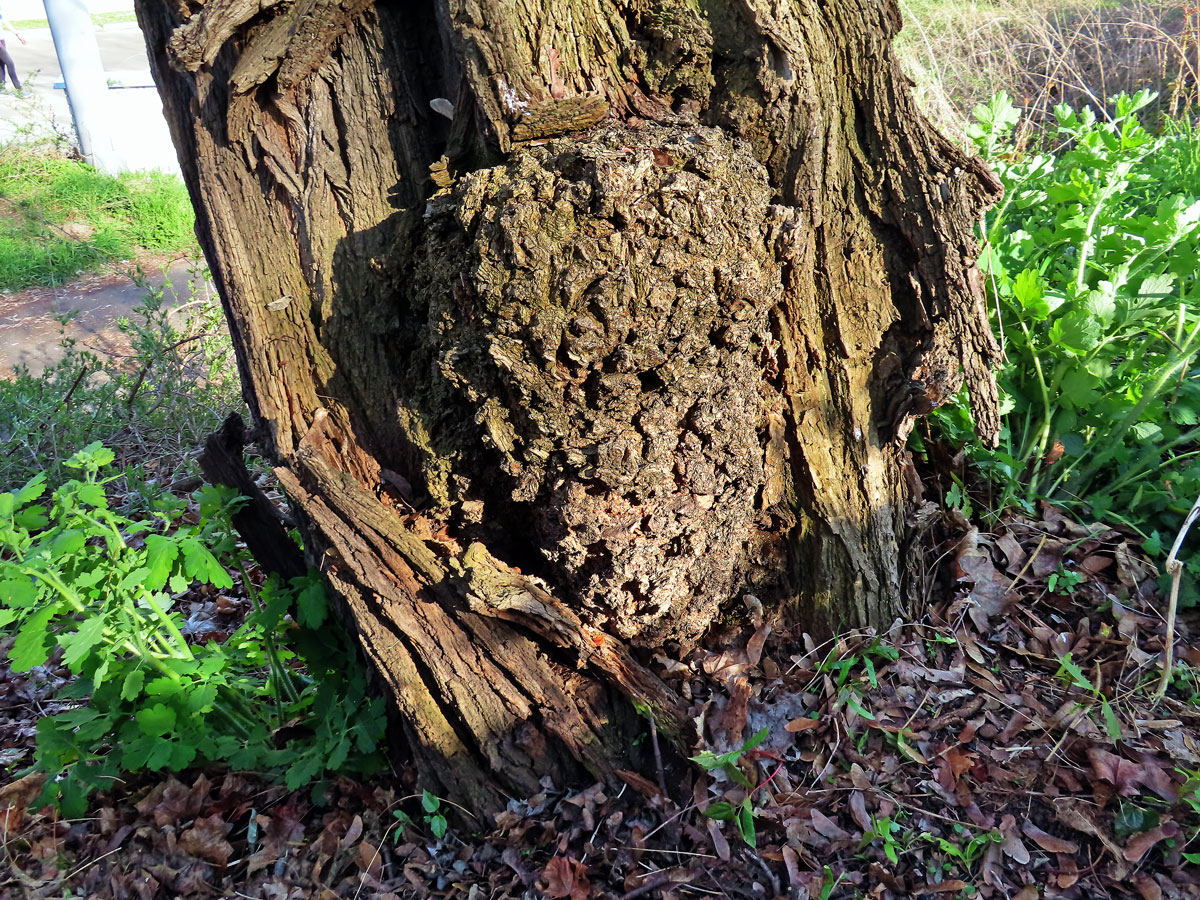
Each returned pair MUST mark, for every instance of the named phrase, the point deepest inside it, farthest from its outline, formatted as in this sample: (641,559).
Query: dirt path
(31,335)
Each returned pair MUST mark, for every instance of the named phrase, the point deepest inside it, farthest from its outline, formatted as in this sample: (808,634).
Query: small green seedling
(434,820)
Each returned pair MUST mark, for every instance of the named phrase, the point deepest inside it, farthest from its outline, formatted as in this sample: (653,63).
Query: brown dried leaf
(758,640)
(1127,776)
(858,810)
(718,839)
(1029,892)
(802,724)
(990,594)
(1048,842)
(949,886)
(172,802)
(828,828)
(1139,845)
(1013,848)
(353,833)
(15,798)
(206,840)
(1068,872)
(1147,887)
(791,862)
(1075,813)
(565,876)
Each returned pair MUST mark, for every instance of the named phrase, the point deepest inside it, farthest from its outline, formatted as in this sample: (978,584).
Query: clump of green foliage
(60,217)
(153,407)
(80,579)
(1091,262)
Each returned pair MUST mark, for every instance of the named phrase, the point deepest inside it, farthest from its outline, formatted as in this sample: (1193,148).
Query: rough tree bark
(572,323)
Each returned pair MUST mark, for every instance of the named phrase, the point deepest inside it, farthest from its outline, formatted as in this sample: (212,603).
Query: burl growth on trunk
(596,311)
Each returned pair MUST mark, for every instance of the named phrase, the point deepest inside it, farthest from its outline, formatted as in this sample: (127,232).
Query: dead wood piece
(257,521)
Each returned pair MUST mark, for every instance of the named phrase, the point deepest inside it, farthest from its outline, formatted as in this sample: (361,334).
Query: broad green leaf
(303,770)
(201,565)
(32,646)
(429,802)
(1157,286)
(746,823)
(78,644)
(93,495)
(160,754)
(68,543)
(156,720)
(161,553)
(19,592)
(32,518)
(722,810)
(163,687)
(34,488)
(131,687)
(1027,289)
(311,605)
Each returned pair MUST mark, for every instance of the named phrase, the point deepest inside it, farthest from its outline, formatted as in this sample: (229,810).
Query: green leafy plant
(741,814)
(1071,675)
(1063,581)
(80,580)
(1092,262)
(890,834)
(433,818)
(969,850)
(152,407)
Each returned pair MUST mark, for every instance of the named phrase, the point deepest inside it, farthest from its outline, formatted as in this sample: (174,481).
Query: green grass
(60,217)
(100,19)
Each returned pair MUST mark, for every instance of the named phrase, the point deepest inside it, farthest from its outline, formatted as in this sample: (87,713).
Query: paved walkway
(31,335)
(140,136)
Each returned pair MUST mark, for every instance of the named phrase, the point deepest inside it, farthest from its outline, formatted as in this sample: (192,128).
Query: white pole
(87,86)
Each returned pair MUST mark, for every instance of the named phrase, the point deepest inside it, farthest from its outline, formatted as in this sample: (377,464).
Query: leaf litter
(1005,746)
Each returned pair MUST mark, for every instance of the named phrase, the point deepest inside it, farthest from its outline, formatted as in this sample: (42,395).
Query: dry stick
(658,763)
(1175,567)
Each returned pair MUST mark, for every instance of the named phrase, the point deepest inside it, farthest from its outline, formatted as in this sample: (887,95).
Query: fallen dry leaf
(565,876)
(1048,842)
(1147,887)
(15,798)
(1139,845)
(828,828)
(802,724)
(639,783)
(206,840)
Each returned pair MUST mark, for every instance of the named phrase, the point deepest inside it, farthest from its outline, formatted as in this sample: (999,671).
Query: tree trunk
(573,323)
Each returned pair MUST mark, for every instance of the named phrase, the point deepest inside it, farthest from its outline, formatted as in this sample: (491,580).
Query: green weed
(1091,262)
(81,580)
(742,814)
(433,818)
(154,407)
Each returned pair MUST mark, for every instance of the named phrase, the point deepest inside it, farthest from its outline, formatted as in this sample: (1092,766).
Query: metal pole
(87,86)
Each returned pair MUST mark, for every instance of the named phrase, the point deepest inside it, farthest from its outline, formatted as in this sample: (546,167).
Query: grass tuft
(60,217)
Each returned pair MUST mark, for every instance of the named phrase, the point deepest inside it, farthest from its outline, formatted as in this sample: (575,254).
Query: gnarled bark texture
(571,323)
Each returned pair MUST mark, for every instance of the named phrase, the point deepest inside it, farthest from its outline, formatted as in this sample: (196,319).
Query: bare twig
(1175,568)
